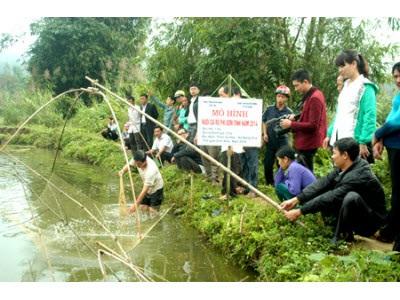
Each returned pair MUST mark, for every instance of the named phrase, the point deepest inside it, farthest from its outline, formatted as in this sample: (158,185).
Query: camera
(277,128)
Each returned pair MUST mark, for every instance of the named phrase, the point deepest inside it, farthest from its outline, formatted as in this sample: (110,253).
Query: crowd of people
(350,197)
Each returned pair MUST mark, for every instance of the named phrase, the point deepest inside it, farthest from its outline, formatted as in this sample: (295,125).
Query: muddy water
(44,236)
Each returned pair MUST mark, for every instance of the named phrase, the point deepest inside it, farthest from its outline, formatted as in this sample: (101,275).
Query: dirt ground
(371,244)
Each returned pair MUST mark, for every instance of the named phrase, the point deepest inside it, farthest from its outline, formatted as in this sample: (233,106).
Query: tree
(260,53)
(67,49)
(6,40)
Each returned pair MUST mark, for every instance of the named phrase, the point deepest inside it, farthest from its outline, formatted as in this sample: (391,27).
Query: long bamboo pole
(126,160)
(62,218)
(201,152)
(34,114)
(229,151)
(91,215)
(114,255)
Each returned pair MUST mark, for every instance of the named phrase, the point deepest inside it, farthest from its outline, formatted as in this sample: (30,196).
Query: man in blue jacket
(389,136)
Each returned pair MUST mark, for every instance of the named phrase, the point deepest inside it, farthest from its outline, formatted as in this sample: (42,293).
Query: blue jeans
(249,162)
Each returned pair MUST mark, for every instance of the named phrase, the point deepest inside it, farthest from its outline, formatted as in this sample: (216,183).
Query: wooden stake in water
(123,208)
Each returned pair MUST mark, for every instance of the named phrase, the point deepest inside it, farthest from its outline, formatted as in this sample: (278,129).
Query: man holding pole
(350,194)
(152,194)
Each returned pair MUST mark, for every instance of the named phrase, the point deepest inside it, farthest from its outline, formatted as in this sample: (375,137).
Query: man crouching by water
(351,195)
(152,194)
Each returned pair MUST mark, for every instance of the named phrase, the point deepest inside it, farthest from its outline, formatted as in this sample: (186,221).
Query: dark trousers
(135,141)
(249,163)
(306,157)
(127,143)
(235,167)
(269,161)
(188,164)
(166,156)
(355,216)
(109,134)
(147,130)
(392,224)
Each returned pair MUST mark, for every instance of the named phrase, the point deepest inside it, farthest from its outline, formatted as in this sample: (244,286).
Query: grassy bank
(76,143)
(248,231)
(254,235)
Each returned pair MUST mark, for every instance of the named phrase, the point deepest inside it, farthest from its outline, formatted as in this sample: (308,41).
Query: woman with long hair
(356,110)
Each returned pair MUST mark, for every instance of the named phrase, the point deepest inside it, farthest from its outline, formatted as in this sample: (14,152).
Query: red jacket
(310,130)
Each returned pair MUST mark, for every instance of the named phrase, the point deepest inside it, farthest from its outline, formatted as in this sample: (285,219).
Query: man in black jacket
(193,111)
(185,157)
(147,126)
(351,195)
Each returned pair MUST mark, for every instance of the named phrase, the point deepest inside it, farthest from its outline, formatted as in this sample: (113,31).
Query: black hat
(139,155)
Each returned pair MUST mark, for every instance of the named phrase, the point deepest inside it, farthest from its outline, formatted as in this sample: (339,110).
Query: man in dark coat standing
(351,195)
(147,126)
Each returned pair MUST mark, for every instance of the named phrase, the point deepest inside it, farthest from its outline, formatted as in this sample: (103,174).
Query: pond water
(44,236)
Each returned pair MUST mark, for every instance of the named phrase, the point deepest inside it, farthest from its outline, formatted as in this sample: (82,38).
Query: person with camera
(272,139)
(310,129)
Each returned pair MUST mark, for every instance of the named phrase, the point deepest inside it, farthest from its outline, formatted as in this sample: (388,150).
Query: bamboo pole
(88,90)
(62,218)
(229,151)
(108,251)
(150,229)
(126,160)
(34,114)
(201,152)
(63,129)
(99,259)
(139,269)
(91,215)
(123,210)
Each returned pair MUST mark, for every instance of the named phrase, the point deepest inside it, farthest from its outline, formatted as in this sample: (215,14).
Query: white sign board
(229,122)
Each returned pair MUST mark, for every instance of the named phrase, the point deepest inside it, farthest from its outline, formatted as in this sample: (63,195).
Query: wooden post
(229,151)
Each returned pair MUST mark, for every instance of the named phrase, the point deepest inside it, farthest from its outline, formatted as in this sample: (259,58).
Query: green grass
(248,232)
(254,235)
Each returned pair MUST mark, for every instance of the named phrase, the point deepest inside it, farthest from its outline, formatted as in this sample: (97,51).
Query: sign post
(229,122)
